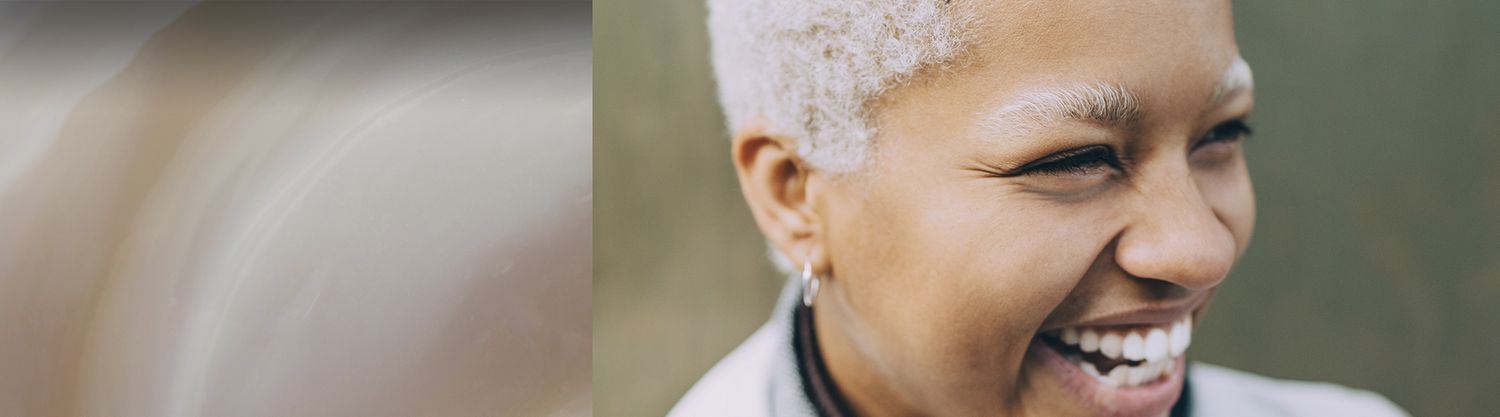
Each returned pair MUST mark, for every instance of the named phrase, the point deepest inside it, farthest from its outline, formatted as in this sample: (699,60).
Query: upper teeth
(1153,345)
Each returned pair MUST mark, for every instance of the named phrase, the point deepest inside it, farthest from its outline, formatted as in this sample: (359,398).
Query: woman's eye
(1084,161)
(1229,131)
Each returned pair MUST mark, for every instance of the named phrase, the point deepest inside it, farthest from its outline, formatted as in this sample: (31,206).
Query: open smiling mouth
(1123,357)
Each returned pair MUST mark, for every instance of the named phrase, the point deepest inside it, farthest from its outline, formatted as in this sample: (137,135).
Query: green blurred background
(1376,162)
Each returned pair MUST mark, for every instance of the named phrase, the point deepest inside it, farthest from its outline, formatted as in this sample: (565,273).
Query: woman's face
(1082,170)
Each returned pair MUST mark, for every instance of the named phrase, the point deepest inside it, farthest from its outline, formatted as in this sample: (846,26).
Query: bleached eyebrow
(1236,78)
(1098,102)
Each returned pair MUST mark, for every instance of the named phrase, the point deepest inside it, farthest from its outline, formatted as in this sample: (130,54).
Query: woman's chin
(1064,374)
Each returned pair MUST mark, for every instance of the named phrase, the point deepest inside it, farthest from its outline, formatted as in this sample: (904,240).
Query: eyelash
(1077,162)
(1085,160)
(1229,131)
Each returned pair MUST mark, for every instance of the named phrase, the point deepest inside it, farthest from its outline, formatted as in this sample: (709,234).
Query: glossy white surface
(295,209)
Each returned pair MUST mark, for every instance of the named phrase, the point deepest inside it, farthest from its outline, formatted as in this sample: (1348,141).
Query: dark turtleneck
(815,381)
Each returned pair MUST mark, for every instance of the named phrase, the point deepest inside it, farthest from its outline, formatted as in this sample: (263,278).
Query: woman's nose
(1176,237)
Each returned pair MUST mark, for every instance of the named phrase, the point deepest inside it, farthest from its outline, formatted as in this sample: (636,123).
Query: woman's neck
(837,377)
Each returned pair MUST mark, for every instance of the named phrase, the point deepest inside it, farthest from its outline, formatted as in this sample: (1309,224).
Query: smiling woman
(992,208)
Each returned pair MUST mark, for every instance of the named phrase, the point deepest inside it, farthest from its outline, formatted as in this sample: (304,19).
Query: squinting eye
(1076,162)
(1229,131)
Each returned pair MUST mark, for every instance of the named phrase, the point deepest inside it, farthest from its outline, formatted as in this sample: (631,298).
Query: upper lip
(1144,316)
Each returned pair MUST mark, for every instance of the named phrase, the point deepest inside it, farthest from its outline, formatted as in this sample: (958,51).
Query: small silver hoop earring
(809,284)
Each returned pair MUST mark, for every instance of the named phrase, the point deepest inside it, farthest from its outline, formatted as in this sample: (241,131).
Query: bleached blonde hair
(813,68)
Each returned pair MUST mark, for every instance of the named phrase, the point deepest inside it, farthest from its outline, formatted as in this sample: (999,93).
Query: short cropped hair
(813,68)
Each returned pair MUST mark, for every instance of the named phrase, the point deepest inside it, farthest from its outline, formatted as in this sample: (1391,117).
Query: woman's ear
(774,181)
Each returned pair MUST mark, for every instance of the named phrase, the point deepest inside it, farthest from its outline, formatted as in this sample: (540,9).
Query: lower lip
(1148,400)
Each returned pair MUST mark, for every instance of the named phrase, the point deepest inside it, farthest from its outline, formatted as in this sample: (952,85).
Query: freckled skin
(936,277)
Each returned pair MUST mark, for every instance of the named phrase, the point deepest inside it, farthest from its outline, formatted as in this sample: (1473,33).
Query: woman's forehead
(1110,35)
(1135,19)
(1036,64)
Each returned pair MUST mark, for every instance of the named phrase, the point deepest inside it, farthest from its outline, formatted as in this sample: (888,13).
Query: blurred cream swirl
(295,209)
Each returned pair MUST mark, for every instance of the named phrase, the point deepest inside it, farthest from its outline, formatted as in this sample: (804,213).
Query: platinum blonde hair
(812,69)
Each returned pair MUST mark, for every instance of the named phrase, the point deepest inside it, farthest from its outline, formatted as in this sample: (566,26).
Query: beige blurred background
(294,209)
(1376,261)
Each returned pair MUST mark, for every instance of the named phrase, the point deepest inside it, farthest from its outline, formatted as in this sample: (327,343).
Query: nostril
(1158,289)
